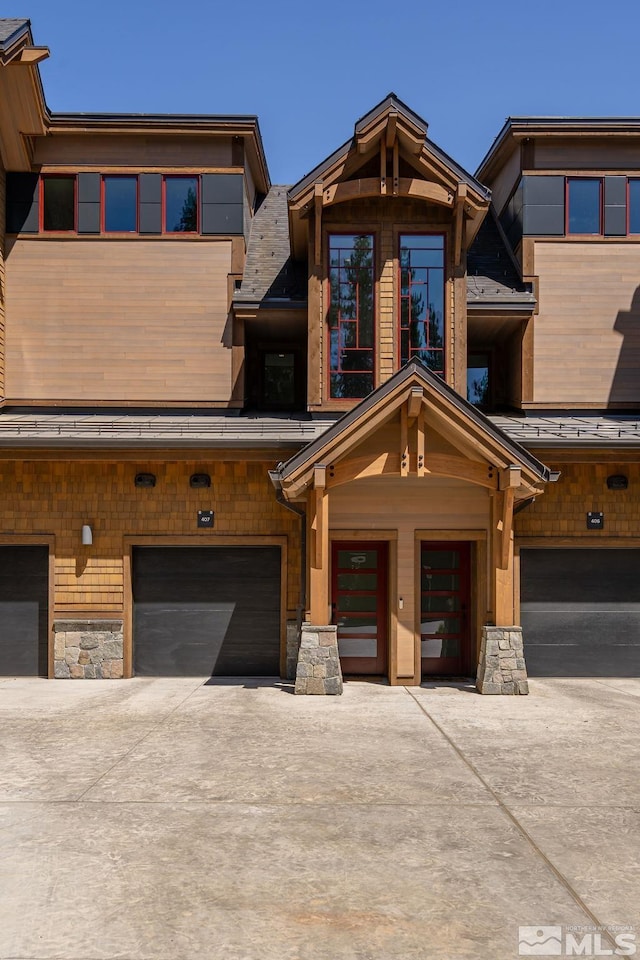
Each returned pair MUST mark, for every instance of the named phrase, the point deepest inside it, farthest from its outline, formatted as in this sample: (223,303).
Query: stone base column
(501,668)
(88,649)
(293,646)
(318,670)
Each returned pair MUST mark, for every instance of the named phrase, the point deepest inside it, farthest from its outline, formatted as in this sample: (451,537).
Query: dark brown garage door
(24,611)
(580,612)
(206,611)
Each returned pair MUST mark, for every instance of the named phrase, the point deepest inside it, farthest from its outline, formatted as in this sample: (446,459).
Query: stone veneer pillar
(501,668)
(318,670)
(88,649)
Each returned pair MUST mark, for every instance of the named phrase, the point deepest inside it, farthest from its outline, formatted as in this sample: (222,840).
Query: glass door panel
(444,608)
(359,605)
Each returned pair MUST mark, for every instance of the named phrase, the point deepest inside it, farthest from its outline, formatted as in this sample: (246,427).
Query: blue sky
(309,72)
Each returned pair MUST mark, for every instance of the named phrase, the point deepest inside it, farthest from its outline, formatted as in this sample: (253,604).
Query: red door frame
(371,666)
(451,666)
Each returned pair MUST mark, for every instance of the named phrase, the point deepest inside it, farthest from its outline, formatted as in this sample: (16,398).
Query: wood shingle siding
(118,320)
(57,498)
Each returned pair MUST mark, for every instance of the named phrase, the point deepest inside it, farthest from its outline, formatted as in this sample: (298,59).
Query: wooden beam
(505,527)
(319,476)
(396,169)
(383,168)
(370,187)
(510,476)
(389,464)
(31,55)
(414,403)
(319,567)
(317,202)
(404,442)
(392,123)
(420,444)
(458,232)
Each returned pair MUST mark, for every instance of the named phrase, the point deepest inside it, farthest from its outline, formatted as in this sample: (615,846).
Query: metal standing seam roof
(122,430)
(20,429)
(572,430)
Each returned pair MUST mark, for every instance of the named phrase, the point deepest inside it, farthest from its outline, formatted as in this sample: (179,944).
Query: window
(120,204)
(422,300)
(478,379)
(180,205)
(59,203)
(584,205)
(351,316)
(634,206)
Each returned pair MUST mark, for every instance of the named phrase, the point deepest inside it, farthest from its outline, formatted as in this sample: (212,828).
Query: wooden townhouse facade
(392,404)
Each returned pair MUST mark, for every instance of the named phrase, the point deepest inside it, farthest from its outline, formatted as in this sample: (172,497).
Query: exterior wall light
(199,480)
(145,480)
(617,481)
(87,535)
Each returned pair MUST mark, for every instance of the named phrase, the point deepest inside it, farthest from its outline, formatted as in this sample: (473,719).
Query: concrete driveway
(175,819)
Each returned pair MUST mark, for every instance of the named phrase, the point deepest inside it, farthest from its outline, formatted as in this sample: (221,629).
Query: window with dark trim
(180,204)
(633,206)
(351,316)
(422,299)
(59,203)
(120,204)
(584,205)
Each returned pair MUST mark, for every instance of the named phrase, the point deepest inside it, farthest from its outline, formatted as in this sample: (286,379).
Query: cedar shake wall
(57,498)
(582,487)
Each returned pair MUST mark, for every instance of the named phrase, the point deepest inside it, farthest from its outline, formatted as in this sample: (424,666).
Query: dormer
(384,225)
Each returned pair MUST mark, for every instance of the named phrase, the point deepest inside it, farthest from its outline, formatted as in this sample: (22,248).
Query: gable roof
(505,450)
(391,103)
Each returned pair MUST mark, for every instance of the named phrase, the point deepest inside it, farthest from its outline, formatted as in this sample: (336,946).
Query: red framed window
(584,205)
(422,260)
(180,202)
(351,316)
(120,204)
(58,203)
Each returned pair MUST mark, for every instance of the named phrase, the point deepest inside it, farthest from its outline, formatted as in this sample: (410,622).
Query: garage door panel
(580,612)
(24,611)
(211,611)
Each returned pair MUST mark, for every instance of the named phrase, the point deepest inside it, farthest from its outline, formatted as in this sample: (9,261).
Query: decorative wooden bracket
(396,168)
(420,449)
(392,124)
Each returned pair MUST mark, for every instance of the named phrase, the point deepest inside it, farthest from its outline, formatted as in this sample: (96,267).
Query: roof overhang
(488,455)
(23,111)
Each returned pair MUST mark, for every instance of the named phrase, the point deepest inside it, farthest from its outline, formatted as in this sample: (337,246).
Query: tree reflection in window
(422,299)
(351,315)
(181,204)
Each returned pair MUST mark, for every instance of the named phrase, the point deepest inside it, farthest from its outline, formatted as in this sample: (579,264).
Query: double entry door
(359,594)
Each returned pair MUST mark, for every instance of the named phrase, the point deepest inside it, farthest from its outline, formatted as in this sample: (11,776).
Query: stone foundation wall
(502,668)
(88,649)
(293,646)
(318,670)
